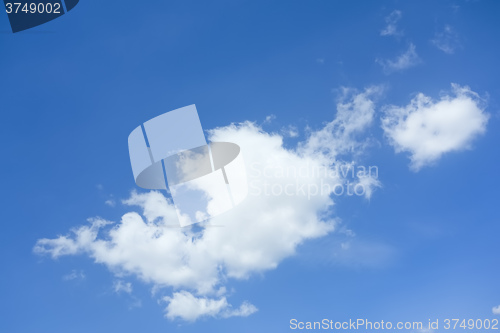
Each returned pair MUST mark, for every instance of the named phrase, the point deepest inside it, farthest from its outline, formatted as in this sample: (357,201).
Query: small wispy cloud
(406,60)
(290,131)
(119,286)
(391,28)
(188,307)
(134,303)
(496,310)
(110,203)
(446,40)
(74,275)
(269,119)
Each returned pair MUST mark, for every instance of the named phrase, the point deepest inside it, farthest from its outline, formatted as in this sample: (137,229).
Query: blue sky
(424,245)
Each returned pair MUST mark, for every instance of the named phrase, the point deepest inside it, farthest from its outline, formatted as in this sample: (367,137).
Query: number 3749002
(471,324)
(33,8)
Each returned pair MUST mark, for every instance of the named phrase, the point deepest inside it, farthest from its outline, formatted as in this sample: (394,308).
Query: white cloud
(186,306)
(496,310)
(119,286)
(427,129)
(290,131)
(406,60)
(64,245)
(447,40)
(391,29)
(255,236)
(269,119)
(355,114)
(110,203)
(74,275)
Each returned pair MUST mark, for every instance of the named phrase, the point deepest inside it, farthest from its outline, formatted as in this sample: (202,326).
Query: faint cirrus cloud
(391,29)
(447,40)
(404,61)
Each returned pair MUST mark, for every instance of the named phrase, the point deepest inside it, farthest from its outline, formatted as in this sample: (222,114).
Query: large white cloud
(427,129)
(289,202)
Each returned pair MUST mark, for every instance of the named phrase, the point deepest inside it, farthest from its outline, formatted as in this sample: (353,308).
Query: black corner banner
(29,14)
